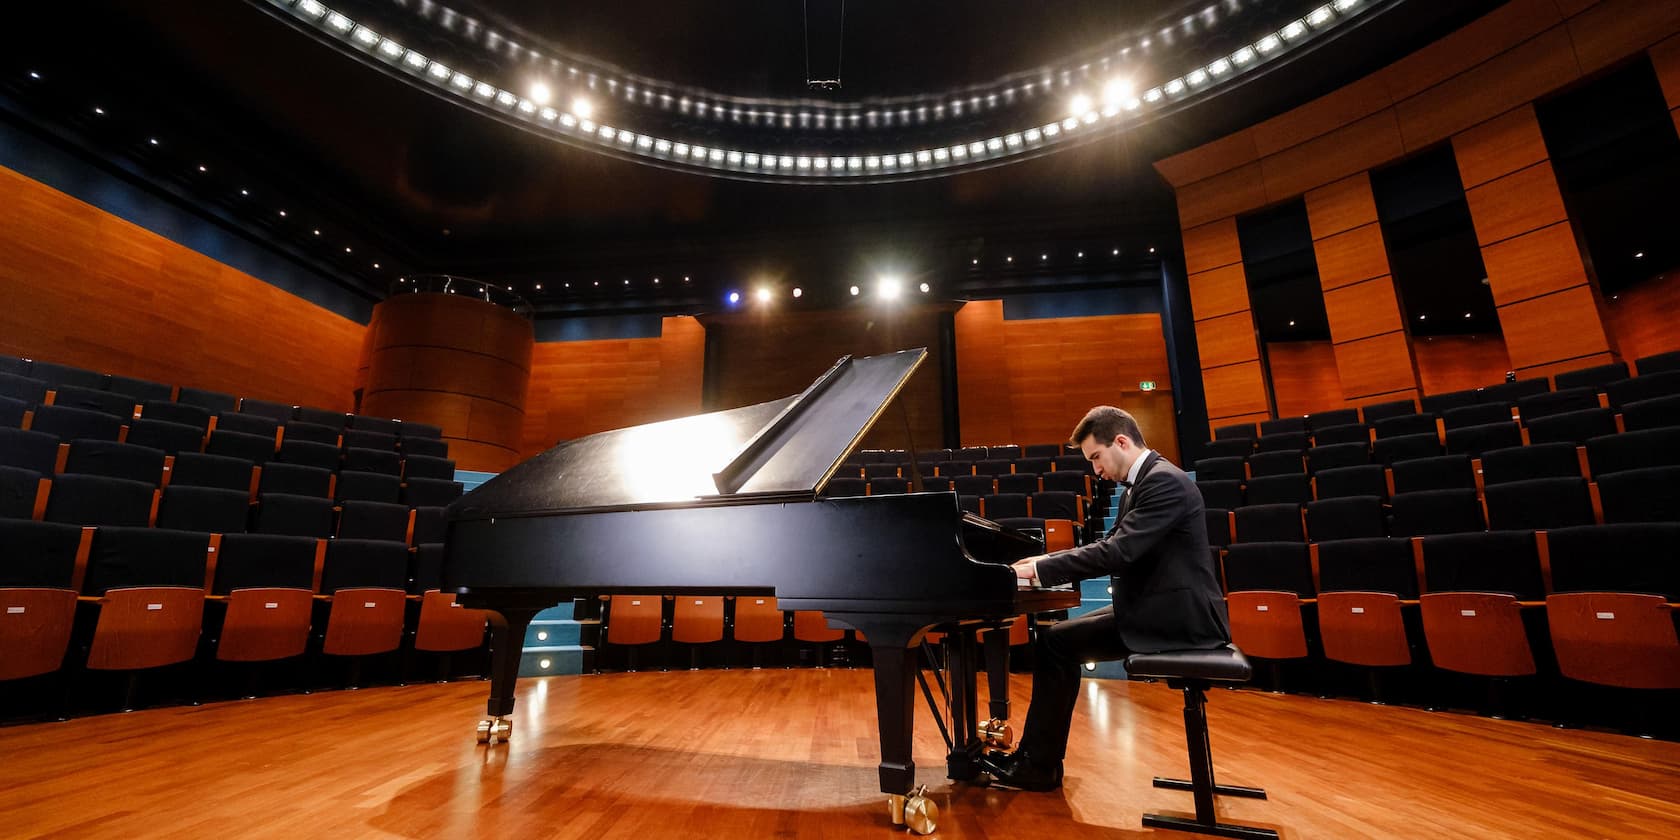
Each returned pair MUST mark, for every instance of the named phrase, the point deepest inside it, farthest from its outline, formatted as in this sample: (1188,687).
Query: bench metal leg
(1201,782)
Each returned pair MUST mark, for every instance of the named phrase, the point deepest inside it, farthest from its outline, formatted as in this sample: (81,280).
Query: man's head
(1110,439)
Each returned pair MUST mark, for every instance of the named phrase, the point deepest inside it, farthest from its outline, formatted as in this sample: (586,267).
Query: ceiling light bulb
(763,295)
(540,93)
(924,288)
(798,292)
(854,291)
(888,288)
(734,297)
(583,108)
(1079,105)
(1117,91)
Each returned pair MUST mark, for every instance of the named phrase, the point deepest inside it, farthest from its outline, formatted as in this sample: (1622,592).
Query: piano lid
(782,449)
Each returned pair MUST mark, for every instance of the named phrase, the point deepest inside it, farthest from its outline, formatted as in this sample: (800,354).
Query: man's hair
(1104,422)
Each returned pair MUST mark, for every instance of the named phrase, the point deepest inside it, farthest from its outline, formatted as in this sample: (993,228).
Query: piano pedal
(914,811)
(492,731)
(997,733)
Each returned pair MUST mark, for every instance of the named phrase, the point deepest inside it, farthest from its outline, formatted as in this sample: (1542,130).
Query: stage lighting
(889,288)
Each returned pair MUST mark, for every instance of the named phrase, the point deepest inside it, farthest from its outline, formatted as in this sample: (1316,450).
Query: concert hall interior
(681,379)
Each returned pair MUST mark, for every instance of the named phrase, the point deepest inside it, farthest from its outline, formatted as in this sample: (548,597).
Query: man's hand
(1027,568)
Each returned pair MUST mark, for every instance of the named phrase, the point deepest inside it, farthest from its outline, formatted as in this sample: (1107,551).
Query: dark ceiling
(416,183)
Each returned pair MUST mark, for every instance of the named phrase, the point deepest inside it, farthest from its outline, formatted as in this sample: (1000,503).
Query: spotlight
(583,108)
(1639,255)
(98,110)
(202,168)
(888,288)
(854,291)
(376,265)
(153,141)
(542,635)
(734,298)
(540,93)
(924,288)
(1117,91)
(798,292)
(545,664)
(763,295)
(1080,105)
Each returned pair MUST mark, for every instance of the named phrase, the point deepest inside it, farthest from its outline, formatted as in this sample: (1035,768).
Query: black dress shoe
(1019,771)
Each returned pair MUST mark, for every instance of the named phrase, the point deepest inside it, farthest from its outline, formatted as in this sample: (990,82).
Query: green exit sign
(1146,385)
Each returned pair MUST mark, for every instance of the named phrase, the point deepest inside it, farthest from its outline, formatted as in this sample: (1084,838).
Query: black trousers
(1061,654)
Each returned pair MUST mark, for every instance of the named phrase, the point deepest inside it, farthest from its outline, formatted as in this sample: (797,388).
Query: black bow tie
(1124,483)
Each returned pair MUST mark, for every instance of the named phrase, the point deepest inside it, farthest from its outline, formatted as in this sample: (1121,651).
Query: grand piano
(730,503)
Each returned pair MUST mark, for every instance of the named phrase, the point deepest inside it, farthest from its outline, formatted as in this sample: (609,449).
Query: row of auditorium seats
(132,599)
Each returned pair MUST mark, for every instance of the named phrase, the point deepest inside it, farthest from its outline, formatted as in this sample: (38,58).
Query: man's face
(1111,459)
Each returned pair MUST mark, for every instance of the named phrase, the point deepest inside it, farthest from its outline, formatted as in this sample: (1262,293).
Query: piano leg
(507,640)
(996,732)
(963,762)
(895,685)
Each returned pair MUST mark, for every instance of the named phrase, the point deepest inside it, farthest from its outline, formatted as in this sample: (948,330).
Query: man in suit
(1166,591)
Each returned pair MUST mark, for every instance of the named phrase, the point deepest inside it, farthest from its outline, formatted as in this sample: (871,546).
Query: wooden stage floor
(741,754)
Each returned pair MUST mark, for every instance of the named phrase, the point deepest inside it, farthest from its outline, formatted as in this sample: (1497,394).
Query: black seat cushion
(1226,664)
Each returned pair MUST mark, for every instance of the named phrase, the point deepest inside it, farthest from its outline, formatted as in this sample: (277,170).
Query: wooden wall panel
(1643,317)
(1558,327)
(1537,263)
(1526,72)
(1228,152)
(1234,390)
(982,372)
(579,388)
(1496,32)
(1222,195)
(1345,106)
(1458,362)
(1341,205)
(1665,58)
(1227,340)
(1605,33)
(1499,147)
(1363,310)
(1347,150)
(1222,291)
(1304,377)
(1381,364)
(86,288)
(1351,256)
(1211,246)
(1525,200)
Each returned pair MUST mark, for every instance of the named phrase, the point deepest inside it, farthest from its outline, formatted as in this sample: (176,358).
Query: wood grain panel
(1221,291)
(1522,201)
(1642,317)
(1212,245)
(1209,159)
(409,367)
(579,388)
(1352,148)
(85,288)
(1537,263)
(1304,377)
(1496,32)
(1566,365)
(1612,29)
(1233,390)
(1341,205)
(1458,362)
(1226,194)
(1500,146)
(982,372)
(1376,365)
(1570,8)
(1527,72)
(1665,58)
(1558,326)
(1227,339)
(1351,256)
(1363,309)
(1344,106)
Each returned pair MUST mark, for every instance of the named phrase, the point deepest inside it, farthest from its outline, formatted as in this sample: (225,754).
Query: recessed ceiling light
(244,192)
(98,110)
(347,249)
(798,292)
(376,265)
(540,93)
(317,231)
(1116,252)
(282,214)
(202,168)
(1291,323)
(1639,255)
(924,287)
(1423,317)
(854,291)
(153,141)
(34,75)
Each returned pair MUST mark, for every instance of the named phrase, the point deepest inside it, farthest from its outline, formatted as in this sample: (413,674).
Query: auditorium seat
(100,500)
(367,582)
(1331,456)
(1218,526)
(1056,504)
(12,412)
(254,448)
(1221,494)
(842,487)
(1658,362)
(1490,561)
(1471,619)
(1474,440)
(1346,517)
(213,402)
(1233,448)
(1276,489)
(1334,417)
(363,520)
(1066,481)
(1538,460)
(1534,407)
(206,470)
(410,431)
(14,365)
(267,582)
(994,466)
(1370,414)
(971,454)
(1511,392)
(1476,415)
(29,449)
(445,627)
(1268,523)
(1405,425)
(313,432)
(170,437)
(1042,450)
(150,588)
(1003,505)
(37,596)
(310,453)
(1033,465)
(1382,564)
(810,627)
(1220,469)
(286,514)
(430,525)
(956,467)
(429,491)
(936,484)
(886,486)
(94,399)
(425,570)
(974,485)
(1539,504)
(1443,472)
(296,479)
(250,424)
(19,490)
(1633,450)
(1024,483)
(1591,377)
(1282,442)
(1364,480)
(1642,495)
(1651,414)
(968,503)
(1265,583)
(116,460)
(1006,452)
(210,509)
(276,411)
(25,388)
(1355,433)
(420,466)
(696,620)
(335,420)
(367,486)
(1405,447)
(758,620)
(1435,512)
(1437,403)
(73,423)
(880,470)
(429,447)
(58,376)
(1283,425)
(1362,583)
(1572,426)
(174,412)
(1235,431)
(1276,463)
(1646,387)
(364,422)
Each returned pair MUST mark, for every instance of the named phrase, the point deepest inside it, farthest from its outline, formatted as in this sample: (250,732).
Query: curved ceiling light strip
(1117,108)
(806,114)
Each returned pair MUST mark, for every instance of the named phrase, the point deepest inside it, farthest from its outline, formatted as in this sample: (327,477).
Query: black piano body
(728,503)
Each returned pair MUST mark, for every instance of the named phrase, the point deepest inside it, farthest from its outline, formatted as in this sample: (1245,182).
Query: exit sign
(1146,385)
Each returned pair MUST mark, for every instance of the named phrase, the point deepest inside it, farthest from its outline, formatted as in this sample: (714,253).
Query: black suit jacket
(1166,591)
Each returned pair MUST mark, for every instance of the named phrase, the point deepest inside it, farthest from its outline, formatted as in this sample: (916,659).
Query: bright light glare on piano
(653,466)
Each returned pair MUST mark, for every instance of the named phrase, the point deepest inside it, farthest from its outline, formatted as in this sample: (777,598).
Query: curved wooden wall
(1473,88)
(83,287)
(456,362)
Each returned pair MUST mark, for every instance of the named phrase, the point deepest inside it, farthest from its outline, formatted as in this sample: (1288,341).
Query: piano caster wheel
(495,730)
(997,733)
(915,811)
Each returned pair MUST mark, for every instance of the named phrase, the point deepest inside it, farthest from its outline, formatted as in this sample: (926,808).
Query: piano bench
(1193,671)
